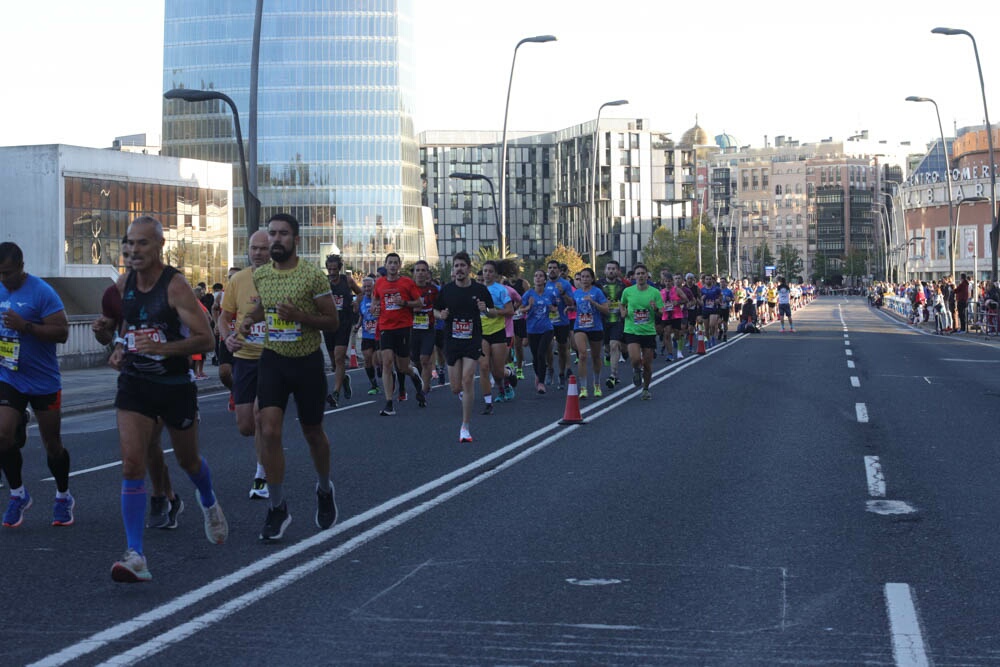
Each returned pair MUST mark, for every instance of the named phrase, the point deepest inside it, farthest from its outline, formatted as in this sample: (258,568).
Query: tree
(568,256)
(761,257)
(789,262)
(856,263)
(488,252)
(678,252)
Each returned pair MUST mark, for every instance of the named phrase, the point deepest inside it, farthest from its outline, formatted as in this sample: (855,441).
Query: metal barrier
(898,305)
(81,349)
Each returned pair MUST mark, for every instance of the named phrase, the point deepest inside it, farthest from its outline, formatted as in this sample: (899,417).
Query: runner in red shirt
(394,298)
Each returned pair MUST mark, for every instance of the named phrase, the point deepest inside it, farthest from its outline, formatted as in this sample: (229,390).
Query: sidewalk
(930,327)
(90,389)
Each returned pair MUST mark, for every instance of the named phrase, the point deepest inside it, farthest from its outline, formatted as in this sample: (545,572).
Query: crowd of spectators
(952,307)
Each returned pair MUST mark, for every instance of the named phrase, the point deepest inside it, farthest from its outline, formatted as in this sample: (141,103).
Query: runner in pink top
(674,300)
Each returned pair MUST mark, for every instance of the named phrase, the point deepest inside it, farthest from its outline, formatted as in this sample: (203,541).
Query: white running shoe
(216,526)
(131,569)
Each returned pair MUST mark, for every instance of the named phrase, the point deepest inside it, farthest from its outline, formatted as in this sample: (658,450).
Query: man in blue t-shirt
(558,290)
(32,322)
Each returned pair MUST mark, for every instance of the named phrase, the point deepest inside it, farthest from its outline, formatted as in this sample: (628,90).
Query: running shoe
(610,382)
(419,380)
(562,381)
(488,410)
(646,395)
(331,400)
(441,378)
(232,402)
(636,377)
(508,393)
(498,398)
(597,391)
(275,523)
(402,395)
(464,435)
(607,359)
(21,434)
(176,507)
(388,410)
(373,390)
(216,526)
(680,355)
(421,400)
(519,374)
(159,508)
(259,489)
(131,569)
(62,511)
(348,392)
(792,330)
(583,393)
(326,508)
(14,516)
(549,376)
(540,388)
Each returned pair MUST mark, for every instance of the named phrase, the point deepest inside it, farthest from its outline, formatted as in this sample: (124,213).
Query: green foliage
(488,252)
(679,252)
(789,262)
(568,256)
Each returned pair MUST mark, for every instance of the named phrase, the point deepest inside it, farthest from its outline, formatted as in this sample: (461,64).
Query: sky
(85,72)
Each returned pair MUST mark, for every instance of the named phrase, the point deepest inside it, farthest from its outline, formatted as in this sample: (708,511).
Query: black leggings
(539,346)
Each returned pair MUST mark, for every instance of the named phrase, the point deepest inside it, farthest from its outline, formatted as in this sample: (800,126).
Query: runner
(511,270)
(588,332)
(772,301)
(295,299)
(494,359)
(163,325)
(785,305)
(711,303)
(32,322)
(674,315)
(164,504)
(241,299)
(561,292)
(395,296)
(612,286)
(639,305)
(536,306)
(343,288)
(726,309)
(423,331)
(367,322)
(460,305)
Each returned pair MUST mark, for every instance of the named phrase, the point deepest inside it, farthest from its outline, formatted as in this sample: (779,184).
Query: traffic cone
(701,340)
(354,357)
(572,413)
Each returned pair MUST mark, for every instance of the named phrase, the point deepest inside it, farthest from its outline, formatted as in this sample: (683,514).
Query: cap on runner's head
(688,276)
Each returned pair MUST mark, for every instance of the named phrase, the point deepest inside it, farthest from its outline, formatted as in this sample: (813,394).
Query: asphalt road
(820,498)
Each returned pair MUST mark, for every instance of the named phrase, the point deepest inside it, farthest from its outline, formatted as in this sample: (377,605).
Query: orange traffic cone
(354,357)
(572,413)
(701,340)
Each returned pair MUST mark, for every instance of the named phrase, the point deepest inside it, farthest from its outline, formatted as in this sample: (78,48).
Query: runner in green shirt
(640,305)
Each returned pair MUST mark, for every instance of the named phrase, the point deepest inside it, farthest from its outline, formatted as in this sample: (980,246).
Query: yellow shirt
(241,298)
(302,286)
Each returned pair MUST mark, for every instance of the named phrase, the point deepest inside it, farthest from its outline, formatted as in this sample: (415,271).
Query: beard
(280,253)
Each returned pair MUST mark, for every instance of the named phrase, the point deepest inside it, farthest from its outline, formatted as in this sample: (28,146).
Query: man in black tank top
(162,325)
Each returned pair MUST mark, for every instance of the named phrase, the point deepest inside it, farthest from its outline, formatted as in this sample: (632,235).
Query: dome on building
(725,141)
(696,135)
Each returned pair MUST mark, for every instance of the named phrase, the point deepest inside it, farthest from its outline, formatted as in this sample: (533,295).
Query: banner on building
(968,247)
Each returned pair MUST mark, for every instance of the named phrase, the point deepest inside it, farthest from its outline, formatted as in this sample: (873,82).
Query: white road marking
(846,336)
(848,353)
(904,625)
(855,382)
(889,507)
(876,480)
(847,343)
(347,407)
(163,611)
(862,411)
(927,379)
(96,468)
(850,364)
(975,361)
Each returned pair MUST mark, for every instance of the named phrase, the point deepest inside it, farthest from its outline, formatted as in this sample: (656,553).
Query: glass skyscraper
(336,146)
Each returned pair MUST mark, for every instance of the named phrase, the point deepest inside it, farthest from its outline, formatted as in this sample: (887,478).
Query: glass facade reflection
(195,224)
(336,146)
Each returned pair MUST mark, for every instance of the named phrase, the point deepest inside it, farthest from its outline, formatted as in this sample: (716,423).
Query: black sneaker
(421,400)
(331,400)
(637,377)
(326,509)
(347,387)
(159,508)
(21,435)
(388,410)
(441,377)
(611,382)
(488,410)
(276,522)
(176,507)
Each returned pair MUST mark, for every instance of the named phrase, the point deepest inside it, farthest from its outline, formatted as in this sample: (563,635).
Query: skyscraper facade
(336,145)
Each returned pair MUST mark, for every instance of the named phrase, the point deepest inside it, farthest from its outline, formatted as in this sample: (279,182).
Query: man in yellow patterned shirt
(296,305)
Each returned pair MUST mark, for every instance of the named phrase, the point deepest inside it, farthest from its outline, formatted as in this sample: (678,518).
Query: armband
(120,341)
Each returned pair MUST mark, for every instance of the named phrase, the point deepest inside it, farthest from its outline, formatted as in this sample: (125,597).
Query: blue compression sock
(134,511)
(203,480)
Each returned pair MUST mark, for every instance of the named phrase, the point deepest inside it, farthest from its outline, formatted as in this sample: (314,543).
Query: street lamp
(994,231)
(466,176)
(597,185)
(250,202)
(539,39)
(947,166)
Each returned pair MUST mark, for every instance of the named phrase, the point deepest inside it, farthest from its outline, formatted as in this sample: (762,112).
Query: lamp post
(975,252)
(994,231)
(250,202)
(718,211)
(466,176)
(595,193)
(947,166)
(539,39)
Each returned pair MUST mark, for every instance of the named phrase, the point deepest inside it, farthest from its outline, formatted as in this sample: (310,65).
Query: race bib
(554,315)
(461,329)
(258,333)
(390,302)
(147,332)
(10,351)
(585,321)
(338,300)
(369,326)
(421,321)
(279,330)
(709,303)
(641,316)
